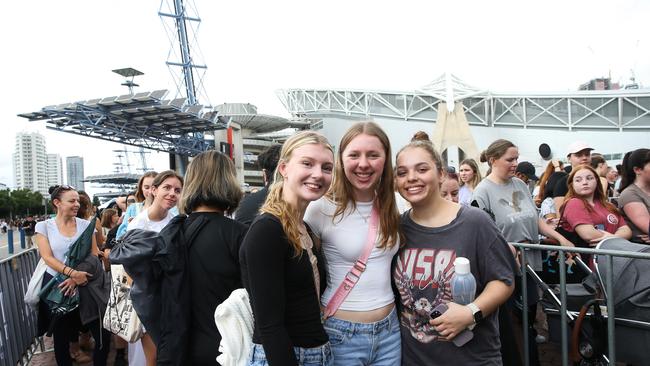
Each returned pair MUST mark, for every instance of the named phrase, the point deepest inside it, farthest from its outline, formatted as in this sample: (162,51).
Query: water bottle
(463,290)
(463,284)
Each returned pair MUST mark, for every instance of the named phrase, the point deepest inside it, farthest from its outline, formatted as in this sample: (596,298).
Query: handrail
(564,314)
(18,322)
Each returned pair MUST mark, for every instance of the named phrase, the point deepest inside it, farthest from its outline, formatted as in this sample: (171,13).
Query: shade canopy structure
(144,119)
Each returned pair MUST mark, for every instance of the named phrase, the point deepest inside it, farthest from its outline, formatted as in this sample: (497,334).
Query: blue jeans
(377,343)
(318,356)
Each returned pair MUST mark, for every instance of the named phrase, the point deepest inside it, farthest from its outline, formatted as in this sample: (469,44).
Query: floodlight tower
(181,18)
(185,21)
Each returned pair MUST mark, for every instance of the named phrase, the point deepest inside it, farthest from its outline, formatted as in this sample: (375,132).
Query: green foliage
(20,202)
(6,204)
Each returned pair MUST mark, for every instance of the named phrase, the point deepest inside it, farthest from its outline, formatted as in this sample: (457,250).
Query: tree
(6,203)
(27,202)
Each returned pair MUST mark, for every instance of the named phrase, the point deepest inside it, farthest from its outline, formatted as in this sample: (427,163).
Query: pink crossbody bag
(353,275)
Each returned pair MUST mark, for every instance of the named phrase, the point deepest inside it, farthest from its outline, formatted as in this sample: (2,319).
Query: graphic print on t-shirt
(423,279)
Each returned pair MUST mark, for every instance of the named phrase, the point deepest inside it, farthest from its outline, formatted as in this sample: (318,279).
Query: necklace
(365,218)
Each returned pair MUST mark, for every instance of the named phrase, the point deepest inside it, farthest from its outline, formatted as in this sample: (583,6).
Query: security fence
(17,320)
(619,281)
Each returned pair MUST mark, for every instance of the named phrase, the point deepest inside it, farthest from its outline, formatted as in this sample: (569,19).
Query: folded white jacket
(234,319)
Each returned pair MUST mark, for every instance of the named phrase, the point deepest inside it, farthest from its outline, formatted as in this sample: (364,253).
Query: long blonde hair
(341,191)
(275,205)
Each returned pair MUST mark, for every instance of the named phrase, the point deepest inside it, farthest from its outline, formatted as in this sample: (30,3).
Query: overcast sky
(63,51)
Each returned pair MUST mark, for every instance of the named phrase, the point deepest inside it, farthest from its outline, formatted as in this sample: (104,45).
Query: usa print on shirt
(423,278)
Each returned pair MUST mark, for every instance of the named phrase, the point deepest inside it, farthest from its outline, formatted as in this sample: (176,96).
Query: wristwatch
(476,312)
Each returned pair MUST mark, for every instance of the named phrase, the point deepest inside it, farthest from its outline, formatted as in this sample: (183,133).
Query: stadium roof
(245,114)
(143,119)
(117,178)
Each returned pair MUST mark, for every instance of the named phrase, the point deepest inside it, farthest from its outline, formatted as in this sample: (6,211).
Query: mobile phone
(463,337)
(438,310)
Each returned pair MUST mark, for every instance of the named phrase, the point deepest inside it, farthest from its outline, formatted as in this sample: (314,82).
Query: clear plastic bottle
(463,284)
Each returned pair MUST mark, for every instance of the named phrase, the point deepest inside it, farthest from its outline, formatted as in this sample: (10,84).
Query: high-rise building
(54,170)
(75,171)
(30,160)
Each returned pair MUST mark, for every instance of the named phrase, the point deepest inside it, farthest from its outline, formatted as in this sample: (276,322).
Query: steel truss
(588,110)
(144,120)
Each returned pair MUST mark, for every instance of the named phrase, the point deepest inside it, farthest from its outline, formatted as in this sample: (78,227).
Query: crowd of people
(344,254)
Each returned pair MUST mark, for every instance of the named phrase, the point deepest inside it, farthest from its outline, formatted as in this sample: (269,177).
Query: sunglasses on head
(62,187)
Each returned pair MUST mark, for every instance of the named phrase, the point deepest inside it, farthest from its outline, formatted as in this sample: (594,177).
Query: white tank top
(342,242)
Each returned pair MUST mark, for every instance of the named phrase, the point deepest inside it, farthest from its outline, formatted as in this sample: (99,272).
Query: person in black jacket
(250,205)
(282,266)
(211,190)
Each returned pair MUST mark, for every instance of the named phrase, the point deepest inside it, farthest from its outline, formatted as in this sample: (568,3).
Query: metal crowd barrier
(611,319)
(17,320)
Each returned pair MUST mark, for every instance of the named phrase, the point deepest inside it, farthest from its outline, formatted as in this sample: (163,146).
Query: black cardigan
(281,289)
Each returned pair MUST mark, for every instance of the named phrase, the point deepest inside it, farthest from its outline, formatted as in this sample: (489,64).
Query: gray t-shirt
(514,211)
(633,193)
(422,275)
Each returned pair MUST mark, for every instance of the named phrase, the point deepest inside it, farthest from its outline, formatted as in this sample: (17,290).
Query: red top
(576,213)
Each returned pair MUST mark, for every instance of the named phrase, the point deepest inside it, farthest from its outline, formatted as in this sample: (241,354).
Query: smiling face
(584,183)
(363,164)
(167,193)
(307,174)
(466,174)
(506,166)
(417,177)
(67,205)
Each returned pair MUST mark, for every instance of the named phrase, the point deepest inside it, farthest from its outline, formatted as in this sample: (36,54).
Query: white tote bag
(35,284)
(121,318)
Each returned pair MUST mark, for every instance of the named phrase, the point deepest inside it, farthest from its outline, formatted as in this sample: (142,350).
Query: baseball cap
(527,169)
(577,146)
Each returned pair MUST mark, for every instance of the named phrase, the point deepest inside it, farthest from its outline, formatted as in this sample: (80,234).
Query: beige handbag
(121,318)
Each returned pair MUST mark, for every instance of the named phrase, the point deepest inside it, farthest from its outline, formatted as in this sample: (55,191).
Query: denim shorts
(377,343)
(317,356)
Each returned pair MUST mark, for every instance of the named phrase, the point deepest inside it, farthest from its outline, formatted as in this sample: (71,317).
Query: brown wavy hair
(599,196)
(275,205)
(139,195)
(341,191)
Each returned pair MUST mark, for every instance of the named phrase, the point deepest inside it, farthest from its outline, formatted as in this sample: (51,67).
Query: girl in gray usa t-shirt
(436,232)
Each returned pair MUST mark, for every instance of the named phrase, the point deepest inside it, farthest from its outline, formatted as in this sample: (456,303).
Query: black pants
(66,329)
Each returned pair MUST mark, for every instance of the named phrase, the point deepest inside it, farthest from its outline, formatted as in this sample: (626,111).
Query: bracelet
(63,271)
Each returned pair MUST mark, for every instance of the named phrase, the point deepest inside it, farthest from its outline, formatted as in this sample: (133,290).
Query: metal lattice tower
(147,119)
(184,24)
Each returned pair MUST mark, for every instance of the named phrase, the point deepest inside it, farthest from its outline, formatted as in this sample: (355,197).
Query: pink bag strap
(353,275)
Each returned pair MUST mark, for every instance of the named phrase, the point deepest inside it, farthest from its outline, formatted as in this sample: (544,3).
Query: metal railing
(18,321)
(564,314)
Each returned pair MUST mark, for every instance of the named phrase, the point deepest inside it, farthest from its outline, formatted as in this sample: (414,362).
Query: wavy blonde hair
(341,192)
(275,205)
